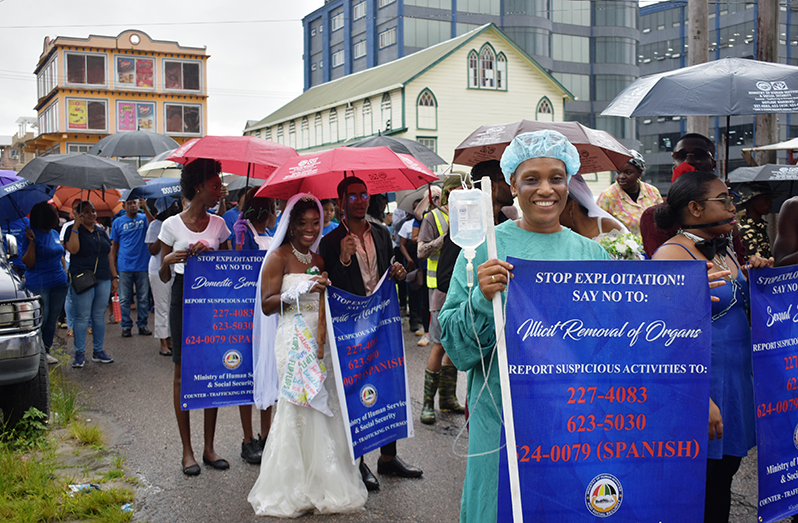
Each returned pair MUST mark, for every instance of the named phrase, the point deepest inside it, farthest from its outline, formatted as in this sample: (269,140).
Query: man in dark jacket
(356,254)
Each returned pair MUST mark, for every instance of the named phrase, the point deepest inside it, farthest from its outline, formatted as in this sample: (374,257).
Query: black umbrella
(420,152)
(780,178)
(82,171)
(726,87)
(135,143)
(240,182)
(157,188)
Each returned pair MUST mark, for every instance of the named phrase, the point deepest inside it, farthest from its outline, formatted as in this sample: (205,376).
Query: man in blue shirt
(16,228)
(132,260)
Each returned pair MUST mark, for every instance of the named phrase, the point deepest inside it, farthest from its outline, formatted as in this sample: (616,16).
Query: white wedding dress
(306,465)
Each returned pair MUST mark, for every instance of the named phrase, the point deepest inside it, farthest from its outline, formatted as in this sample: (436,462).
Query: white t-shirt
(152,236)
(175,234)
(66,226)
(406,231)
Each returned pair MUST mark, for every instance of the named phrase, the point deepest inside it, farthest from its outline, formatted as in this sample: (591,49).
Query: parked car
(24,378)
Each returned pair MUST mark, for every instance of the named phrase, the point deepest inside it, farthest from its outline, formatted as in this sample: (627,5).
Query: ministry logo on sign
(368,395)
(604,495)
(232,359)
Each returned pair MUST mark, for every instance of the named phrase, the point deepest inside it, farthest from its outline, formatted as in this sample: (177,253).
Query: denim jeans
(142,281)
(52,303)
(91,304)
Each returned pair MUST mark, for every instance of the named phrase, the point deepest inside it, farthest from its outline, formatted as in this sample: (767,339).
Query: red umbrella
(319,174)
(106,202)
(243,155)
(598,150)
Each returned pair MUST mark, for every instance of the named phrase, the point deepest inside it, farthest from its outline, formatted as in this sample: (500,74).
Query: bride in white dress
(306,465)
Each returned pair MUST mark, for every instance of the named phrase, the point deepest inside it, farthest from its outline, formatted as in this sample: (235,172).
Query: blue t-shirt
(328,228)
(17,230)
(230,218)
(48,271)
(129,233)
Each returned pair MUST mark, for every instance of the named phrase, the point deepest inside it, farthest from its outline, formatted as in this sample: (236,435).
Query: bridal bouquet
(623,246)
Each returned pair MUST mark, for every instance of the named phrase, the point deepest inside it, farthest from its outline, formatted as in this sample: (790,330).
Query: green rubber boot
(430,388)
(447,397)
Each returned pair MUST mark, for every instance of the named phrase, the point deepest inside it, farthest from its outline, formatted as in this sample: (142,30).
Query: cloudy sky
(255,47)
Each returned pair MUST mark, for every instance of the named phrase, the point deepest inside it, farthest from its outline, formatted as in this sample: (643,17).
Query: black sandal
(169,353)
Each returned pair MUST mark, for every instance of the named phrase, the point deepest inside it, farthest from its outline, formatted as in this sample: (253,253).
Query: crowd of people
(542,209)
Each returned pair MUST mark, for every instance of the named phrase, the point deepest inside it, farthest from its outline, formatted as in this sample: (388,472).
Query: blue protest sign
(369,357)
(218,304)
(609,375)
(774,333)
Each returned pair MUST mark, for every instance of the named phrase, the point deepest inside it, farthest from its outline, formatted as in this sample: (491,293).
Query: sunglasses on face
(353,198)
(698,155)
(728,201)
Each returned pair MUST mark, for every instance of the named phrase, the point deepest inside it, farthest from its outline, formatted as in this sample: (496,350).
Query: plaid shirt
(615,201)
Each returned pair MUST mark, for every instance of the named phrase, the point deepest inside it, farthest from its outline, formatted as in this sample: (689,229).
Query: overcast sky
(255,48)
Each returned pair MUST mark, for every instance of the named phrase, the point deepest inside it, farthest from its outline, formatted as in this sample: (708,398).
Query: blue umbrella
(18,198)
(157,188)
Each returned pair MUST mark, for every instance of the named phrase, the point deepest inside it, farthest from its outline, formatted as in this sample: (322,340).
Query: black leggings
(717,502)
(176,318)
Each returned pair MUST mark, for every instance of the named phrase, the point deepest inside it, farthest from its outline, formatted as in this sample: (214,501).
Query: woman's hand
(198,248)
(716,279)
(397,272)
(114,285)
(715,421)
(321,283)
(176,257)
(493,276)
(757,262)
(29,234)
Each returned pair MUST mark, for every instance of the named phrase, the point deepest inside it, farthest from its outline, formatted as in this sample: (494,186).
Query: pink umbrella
(243,155)
(319,174)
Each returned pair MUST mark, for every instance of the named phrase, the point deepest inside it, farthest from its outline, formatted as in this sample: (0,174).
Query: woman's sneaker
(101,357)
(77,363)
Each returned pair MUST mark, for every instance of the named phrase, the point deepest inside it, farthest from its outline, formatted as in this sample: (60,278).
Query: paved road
(132,399)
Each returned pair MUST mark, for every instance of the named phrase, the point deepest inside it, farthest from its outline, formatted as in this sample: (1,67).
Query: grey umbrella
(726,87)
(133,144)
(781,179)
(420,152)
(82,171)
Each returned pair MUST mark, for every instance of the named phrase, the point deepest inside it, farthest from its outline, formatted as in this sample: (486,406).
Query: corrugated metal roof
(376,80)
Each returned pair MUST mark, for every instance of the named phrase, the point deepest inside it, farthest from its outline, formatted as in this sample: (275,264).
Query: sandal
(168,353)
(191,470)
(70,333)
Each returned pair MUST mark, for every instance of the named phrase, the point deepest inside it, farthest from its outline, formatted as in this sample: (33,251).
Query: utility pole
(767,50)
(698,52)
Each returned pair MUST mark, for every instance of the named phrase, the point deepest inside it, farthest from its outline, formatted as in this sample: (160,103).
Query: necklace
(719,257)
(303,258)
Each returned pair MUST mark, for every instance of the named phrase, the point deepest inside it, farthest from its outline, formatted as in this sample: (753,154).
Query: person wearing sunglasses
(356,254)
(700,207)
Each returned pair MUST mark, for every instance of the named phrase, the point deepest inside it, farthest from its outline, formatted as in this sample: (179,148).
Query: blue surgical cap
(540,144)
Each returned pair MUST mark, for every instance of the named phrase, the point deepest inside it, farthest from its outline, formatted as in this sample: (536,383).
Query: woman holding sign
(538,167)
(700,203)
(306,464)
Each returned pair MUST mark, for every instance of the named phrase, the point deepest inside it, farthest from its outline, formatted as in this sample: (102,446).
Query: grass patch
(86,434)
(65,396)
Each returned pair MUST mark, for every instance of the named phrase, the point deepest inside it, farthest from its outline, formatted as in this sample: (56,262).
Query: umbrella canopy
(406,199)
(7,177)
(160,167)
(789,145)
(242,155)
(240,182)
(420,152)
(764,173)
(106,202)
(319,174)
(81,170)
(17,198)
(135,143)
(726,87)
(598,150)
(157,188)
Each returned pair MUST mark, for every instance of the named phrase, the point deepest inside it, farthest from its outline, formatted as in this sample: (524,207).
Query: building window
(577,84)
(337,21)
(318,128)
(87,115)
(368,121)
(360,49)
(569,48)
(258,133)
(48,119)
(85,69)
(183,118)
(426,111)
(388,37)
(386,112)
(545,113)
(383,3)
(420,32)
(359,11)
(135,72)
(313,66)
(349,121)
(483,7)
(292,134)
(473,70)
(615,50)
(608,86)
(48,78)
(338,58)
(78,147)
(428,142)
(486,67)
(501,72)
(182,75)
(333,126)
(313,32)
(280,138)
(267,134)
(305,133)
(575,12)
(135,116)
(616,13)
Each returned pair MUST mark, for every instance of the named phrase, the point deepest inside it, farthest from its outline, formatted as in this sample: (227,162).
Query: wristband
(114,277)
